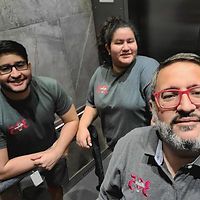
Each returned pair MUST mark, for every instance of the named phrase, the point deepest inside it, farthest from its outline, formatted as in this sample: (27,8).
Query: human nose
(185,104)
(15,72)
(125,46)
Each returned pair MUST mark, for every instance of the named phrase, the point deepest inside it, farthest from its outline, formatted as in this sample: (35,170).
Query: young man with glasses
(162,161)
(28,139)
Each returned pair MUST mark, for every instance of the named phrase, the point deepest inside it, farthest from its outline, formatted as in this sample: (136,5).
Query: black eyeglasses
(169,99)
(7,68)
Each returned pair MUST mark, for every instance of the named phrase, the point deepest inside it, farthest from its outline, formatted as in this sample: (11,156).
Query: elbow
(2,176)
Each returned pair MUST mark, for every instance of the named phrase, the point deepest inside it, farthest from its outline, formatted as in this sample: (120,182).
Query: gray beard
(177,143)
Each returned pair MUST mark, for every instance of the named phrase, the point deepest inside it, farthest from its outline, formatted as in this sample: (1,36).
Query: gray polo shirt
(137,171)
(122,100)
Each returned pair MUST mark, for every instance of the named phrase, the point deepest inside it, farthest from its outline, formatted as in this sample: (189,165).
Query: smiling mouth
(129,54)
(17,82)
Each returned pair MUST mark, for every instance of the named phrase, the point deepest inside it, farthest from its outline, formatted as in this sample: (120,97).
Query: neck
(18,95)
(175,160)
(118,70)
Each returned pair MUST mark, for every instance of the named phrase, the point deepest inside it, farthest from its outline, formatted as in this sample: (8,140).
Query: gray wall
(59,36)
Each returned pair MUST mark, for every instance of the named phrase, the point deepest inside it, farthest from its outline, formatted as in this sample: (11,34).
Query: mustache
(178,117)
(16,79)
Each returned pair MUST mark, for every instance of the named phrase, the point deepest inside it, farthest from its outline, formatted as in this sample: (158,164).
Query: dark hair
(13,47)
(106,34)
(187,57)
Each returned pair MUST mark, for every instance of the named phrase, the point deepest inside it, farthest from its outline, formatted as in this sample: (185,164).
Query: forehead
(9,58)
(181,74)
(123,32)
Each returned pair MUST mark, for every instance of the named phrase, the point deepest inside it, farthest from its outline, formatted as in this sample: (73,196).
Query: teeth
(16,81)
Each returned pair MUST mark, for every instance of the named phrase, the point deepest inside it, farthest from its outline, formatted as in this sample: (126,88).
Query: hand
(83,138)
(47,159)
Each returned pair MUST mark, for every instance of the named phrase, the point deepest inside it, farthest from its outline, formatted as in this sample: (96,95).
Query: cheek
(3,79)
(114,52)
(165,116)
(114,56)
(134,47)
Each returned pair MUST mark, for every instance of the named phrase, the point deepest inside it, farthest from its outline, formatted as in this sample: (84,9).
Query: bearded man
(162,161)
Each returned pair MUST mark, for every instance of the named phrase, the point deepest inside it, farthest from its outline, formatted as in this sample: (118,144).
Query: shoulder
(137,133)
(101,69)
(146,59)
(147,62)
(136,139)
(47,85)
(44,82)
(134,145)
(100,72)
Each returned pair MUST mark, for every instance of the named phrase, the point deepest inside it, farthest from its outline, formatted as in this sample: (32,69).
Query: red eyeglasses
(169,99)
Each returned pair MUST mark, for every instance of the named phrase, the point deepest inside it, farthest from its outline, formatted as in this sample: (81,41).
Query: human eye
(20,65)
(195,92)
(169,95)
(118,42)
(131,40)
(5,68)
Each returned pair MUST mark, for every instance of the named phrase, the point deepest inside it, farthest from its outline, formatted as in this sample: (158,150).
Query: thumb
(89,142)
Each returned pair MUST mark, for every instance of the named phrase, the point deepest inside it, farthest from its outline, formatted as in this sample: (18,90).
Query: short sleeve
(3,143)
(63,100)
(150,66)
(91,89)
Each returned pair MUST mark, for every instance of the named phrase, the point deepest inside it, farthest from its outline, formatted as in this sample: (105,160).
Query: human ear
(29,66)
(107,48)
(152,109)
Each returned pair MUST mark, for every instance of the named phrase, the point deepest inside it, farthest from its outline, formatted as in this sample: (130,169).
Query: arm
(48,159)
(13,167)
(68,131)
(83,136)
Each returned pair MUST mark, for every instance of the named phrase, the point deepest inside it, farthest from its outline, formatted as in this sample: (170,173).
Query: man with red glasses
(28,140)
(162,161)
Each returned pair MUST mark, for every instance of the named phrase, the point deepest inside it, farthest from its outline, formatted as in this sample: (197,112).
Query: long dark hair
(106,34)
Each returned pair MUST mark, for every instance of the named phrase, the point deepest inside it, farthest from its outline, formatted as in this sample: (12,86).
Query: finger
(89,141)
(36,157)
(85,144)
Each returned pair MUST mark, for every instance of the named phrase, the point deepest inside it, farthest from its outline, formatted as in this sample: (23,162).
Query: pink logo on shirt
(19,126)
(139,185)
(102,89)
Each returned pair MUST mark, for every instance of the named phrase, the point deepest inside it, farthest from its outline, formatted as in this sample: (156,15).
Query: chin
(16,89)
(187,132)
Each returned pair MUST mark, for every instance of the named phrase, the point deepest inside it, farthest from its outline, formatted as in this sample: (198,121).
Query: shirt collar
(152,142)
(196,161)
(159,153)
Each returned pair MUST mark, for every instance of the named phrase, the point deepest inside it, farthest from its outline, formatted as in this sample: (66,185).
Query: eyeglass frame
(156,96)
(16,65)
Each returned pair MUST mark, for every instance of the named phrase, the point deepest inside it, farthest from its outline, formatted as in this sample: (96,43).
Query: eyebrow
(177,88)
(8,64)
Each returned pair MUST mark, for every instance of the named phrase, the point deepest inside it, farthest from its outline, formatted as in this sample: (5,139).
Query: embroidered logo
(102,89)
(19,126)
(139,185)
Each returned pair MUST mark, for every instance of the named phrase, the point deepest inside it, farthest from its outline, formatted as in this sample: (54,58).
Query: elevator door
(166,27)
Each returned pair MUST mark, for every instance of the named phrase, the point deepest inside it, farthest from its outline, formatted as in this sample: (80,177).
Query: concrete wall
(59,36)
